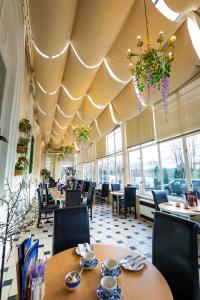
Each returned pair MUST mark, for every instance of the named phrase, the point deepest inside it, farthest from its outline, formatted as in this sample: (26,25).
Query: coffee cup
(110,267)
(108,283)
(88,256)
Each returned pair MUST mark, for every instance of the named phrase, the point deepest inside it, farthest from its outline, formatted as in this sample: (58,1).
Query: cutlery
(130,259)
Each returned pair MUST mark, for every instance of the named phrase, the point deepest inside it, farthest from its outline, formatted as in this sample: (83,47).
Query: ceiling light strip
(64,115)
(51,57)
(82,62)
(94,104)
(68,93)
(41,110)
(97,126)
(55,132)
(76,147)
(59,125)
(44,91)
(112,75)
(112,114)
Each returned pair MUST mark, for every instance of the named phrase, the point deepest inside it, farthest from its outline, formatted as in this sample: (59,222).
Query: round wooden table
(188,213)
(142,285)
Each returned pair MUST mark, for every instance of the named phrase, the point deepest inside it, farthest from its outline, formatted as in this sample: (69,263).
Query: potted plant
(22,145)
(68,149)
(45,174)
(22,160)
(19,168)
(82,134)
(25,127)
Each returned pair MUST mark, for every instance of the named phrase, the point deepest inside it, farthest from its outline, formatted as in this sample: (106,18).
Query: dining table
(147,283)
(171,207)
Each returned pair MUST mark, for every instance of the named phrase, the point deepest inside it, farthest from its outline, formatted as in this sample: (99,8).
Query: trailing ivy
(31,155)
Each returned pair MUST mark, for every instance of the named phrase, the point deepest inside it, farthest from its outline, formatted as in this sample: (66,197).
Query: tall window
(87,171)
(135,167)
(193,147)
(173,167)
(151,169)
(114,141)
(119,168)
(112,169)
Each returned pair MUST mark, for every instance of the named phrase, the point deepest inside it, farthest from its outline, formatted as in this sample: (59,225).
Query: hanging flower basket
(18,172)
(82,134)
(25,126)
(19,169)
(68,149)
(21,149)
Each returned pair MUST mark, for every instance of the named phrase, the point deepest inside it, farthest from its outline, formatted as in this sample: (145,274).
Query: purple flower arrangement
(38,270)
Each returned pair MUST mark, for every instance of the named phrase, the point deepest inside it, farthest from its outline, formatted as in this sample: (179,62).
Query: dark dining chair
(175,254)
(90,198)
(44,211)
(159,196)
(102,194)
(72,198)
(114,188)
(129,200)
(70,228)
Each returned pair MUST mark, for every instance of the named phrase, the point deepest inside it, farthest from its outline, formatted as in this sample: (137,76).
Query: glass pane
(110,143)
(100,173)
(151,168)
(135,168)
(111,167)
(173,167)
(193,147)
(104,170)
(118,140)
(87,171)
(119,169)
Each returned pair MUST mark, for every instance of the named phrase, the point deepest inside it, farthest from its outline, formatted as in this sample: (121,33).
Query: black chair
(115,187)
(45,210)
(129,200)
(102,195)
(159,197)
(90,198)
(70,228)
(175,254)
(72,198)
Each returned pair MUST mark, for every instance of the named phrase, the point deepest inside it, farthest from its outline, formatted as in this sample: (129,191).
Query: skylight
(194,32)
(165,10)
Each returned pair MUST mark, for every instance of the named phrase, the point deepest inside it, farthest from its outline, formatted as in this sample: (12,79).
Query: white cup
(108,283)
(110,264)
(88,256)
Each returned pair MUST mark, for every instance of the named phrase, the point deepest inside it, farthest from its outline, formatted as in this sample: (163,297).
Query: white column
(187,165)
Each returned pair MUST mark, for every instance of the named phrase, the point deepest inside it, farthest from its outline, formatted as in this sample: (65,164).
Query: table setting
(110,271)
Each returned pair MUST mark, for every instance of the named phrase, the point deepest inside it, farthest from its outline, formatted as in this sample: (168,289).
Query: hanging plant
(45,173)
(68,149)
(152,66)
(82,134)
(25,126)
(19,168)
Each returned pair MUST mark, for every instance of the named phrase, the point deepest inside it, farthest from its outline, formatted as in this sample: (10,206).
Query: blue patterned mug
(110,267)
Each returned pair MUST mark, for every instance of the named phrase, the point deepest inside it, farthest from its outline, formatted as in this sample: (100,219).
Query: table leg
(117,205)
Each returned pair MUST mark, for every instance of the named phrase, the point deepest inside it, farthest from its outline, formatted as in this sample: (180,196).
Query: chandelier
(151,67)
(65,151)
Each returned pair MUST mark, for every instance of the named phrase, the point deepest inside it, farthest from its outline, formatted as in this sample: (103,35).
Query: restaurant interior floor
(104,228)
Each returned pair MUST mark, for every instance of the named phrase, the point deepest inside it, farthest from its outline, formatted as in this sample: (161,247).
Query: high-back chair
(159,197)
(129,200)
(90,198)
(104,192)
(72,198)
(70,228)
(175,254)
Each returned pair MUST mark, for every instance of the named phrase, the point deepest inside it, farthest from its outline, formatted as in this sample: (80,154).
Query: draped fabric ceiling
(80,68)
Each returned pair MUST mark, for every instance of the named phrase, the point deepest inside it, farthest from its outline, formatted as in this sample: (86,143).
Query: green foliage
(45,173)
(25,127)
(165,176)
(31,155)
(68,149)
(19,166)
(82,134)
(179,172)
(156,172)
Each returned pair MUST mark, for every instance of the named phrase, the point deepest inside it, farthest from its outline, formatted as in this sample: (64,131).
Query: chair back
(93,183)
(72,198)
(159,197)
(115,187)
(175,254)
(105,190)
(40,205)
(70,228)
(130,196)
(90,195)
(87,185)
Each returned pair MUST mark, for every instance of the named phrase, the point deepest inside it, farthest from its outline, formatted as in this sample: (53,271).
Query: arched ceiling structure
(81,73)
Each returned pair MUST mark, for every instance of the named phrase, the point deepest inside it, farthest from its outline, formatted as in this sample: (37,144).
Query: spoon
(129,259)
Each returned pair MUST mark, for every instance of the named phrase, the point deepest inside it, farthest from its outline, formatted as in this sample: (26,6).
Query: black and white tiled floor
(104,228)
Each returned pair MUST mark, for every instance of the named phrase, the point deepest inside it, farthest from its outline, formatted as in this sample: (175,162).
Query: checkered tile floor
(104,228)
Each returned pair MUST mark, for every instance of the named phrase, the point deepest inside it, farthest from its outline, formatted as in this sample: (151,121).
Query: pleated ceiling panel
(105,122)
(126,104)
(49,72)
(45,122)
(101,148)
(183,116)
(97,25)
(67,105)
(88,111)
(134,26)
(47,138)
(47,103)
(94,134)
(140,129)
(77,122)
(57,130)
(183,6)
(104,88)
(77,78)
(51,23)
(61,120)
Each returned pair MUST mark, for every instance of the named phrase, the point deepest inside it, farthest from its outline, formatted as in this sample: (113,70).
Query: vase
(37,288)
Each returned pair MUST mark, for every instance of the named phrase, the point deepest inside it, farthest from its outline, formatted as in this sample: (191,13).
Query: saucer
(115,294)
(113,272)
(134,263)
(88,265)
